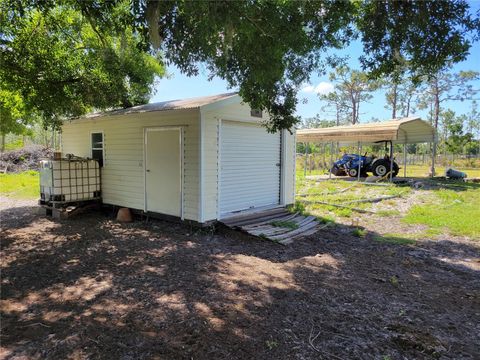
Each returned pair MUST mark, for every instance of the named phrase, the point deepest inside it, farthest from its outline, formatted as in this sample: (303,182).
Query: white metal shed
(198,159)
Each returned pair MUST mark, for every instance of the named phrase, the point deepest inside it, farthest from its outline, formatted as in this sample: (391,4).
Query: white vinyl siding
(123,173)
(249,167)
(288,167)
(123,176)
(209,164)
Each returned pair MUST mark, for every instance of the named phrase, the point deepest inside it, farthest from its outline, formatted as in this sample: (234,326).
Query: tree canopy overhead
(63,64)
(268,48)
(425,34)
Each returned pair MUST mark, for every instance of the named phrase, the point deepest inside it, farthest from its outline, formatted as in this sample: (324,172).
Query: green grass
(412,171)
(398,190)
(432,233)
(359,232)
(397,239)
(456,211)
(14,145)
(424,170)
(388,213)
(23,185)
(340,192)
(325,219)
(341,212)
(285,224)
(298,207)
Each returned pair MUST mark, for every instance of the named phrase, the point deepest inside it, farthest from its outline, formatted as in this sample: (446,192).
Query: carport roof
(406,130)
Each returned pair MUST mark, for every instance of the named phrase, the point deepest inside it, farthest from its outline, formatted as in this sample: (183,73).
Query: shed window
(256,113)
(97,147)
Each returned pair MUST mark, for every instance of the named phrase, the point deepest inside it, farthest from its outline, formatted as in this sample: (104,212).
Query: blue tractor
(349,165)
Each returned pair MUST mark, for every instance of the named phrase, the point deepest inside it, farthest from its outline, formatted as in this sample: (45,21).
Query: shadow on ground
(92,288)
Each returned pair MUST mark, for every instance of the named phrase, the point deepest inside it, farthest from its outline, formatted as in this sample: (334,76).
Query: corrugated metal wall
(249,167)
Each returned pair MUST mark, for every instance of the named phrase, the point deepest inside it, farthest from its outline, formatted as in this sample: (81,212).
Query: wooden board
(260,224)
(251,218)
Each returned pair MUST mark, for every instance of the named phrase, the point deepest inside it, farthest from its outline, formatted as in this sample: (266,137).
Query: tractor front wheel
(353,172)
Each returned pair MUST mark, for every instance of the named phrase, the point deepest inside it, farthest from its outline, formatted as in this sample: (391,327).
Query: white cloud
(322,88)
(308,89)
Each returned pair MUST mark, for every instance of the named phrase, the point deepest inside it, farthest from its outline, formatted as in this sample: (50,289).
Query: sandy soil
(92,288)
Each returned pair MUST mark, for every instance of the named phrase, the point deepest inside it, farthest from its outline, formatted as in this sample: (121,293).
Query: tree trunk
(394,101)
(53,140)
(338,114)
(436,114)
(354,106)
(357,113)
(445,155)
(409,99)
(354,112)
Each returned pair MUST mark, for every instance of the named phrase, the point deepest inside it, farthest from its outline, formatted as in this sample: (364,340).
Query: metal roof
(406,130)
(191,103)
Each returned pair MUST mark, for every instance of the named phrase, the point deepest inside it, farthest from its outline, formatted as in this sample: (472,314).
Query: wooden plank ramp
(277,225)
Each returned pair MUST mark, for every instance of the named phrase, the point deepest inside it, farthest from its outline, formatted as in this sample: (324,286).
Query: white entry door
(163,170)
(249,167)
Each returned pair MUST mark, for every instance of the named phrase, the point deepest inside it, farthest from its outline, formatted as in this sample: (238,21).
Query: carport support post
(391,161)
(434,153)
(331,161)
(360,160)
(306,154)
(310,159)
(404,160)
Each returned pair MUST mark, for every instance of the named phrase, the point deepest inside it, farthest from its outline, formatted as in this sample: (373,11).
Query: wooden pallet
(65,212)
(260,224)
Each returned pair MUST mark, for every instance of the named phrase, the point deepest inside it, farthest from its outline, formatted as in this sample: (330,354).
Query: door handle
(277,164)
(148,170)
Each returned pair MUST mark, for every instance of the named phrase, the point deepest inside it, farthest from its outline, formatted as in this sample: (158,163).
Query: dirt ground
(93,288)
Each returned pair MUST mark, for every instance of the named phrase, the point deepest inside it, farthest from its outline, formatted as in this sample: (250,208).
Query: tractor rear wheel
(381,167)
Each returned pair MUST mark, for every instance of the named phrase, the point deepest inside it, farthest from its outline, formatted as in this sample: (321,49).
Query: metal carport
(401,131)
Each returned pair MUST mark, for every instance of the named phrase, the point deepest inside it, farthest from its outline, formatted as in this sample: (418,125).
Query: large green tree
(401,91)
(425,34)
(316,122)
(456,136)
(473,126)
(445,86)
(269,48)
(13,116)
(351,89)
(335,104)
(61,63)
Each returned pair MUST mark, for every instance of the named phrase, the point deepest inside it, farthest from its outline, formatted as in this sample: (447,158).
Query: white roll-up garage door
(249,167)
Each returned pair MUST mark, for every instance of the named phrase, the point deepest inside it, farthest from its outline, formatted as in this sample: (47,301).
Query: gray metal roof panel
(178,104)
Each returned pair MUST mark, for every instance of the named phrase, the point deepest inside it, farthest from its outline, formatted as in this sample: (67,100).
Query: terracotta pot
(124,215)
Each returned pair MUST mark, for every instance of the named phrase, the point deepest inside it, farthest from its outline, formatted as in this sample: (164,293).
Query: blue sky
(179,86)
